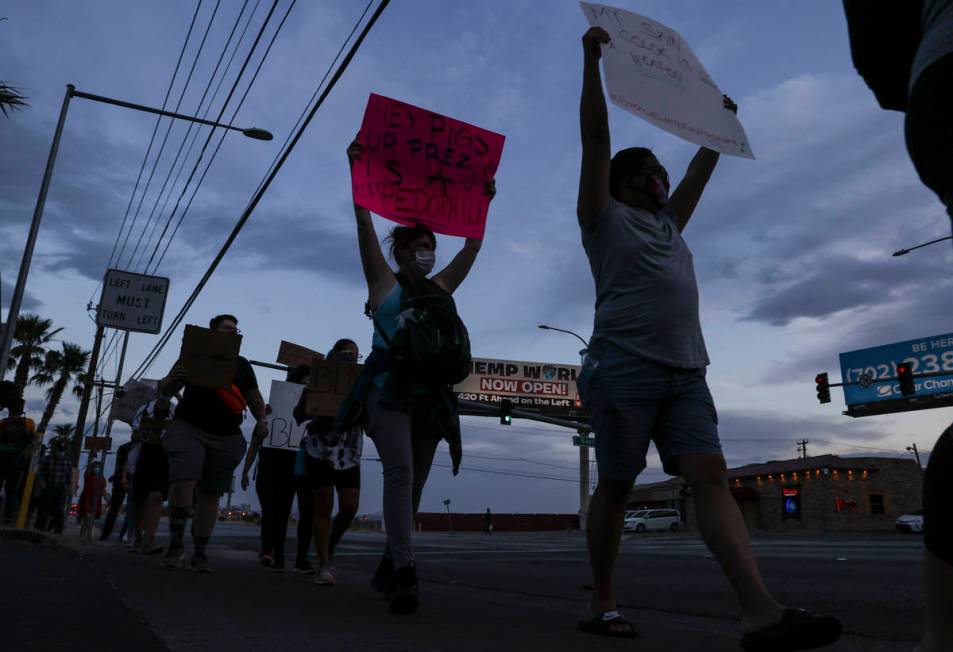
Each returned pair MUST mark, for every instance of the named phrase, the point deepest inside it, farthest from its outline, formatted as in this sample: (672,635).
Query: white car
(654,519)
(912,523)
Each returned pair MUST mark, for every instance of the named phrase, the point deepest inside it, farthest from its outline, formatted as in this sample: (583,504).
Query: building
(826,492)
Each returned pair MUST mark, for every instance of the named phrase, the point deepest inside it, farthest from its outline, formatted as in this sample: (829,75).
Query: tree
(10,97)
(63,430)
(31,336)
(60,368)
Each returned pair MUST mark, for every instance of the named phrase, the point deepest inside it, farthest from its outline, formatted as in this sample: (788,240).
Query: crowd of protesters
(643,380)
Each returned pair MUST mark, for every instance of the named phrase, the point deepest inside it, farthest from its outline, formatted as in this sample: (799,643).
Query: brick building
(826,492)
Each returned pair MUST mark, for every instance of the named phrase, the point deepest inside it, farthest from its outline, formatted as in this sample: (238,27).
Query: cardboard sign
(283,432)
(545,387)
(98,443)
(651,72)
(135,394)
(210,356)
(294,355)
(419,167)
(329,385)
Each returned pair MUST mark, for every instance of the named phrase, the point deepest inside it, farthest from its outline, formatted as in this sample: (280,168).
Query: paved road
(518,591)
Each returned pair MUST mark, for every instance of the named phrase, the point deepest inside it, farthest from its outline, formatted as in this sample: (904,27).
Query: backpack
(15,435)
(431,344)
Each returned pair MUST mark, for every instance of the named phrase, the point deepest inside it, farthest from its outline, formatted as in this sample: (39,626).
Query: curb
(35,537)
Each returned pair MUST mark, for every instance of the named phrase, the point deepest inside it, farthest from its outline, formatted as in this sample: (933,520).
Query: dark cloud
(30,302)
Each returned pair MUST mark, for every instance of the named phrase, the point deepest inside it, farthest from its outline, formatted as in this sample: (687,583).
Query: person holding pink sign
(404,395)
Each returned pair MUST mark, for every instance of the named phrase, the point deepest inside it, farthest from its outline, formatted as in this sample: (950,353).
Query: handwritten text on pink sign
(419,167)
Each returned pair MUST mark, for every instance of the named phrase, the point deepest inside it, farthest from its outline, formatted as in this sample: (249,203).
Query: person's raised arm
(689,191)
(379,276)
(453,275)
(594,128)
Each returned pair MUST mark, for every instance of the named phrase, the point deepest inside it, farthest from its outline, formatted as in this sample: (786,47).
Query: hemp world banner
(652,72)
(420,167)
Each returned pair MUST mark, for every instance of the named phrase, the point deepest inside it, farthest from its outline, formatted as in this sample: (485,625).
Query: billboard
(540,386)
(876,369)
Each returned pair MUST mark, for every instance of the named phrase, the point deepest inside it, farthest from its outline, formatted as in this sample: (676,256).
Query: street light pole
(904,252)
(13,313)
(916,453)
(583,449)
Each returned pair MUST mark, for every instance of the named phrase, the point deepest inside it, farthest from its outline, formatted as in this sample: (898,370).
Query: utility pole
(916,453)
(802,448)
(88,382)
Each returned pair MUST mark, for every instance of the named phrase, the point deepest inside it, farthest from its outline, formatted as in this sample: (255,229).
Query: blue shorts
(633,400)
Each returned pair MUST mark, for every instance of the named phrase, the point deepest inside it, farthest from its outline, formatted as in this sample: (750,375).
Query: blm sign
(539,386)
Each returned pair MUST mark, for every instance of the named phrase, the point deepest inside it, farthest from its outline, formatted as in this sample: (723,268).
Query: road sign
(537,386)
(132,302)
(98,443)
(875,369)
(578,440)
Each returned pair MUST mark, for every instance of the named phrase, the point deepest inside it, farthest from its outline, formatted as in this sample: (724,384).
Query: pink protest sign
(419,167)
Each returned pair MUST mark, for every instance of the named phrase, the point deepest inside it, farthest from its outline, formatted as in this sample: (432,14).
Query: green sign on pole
(579,440)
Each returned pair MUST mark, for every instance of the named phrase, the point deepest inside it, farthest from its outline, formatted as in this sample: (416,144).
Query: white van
(654,519)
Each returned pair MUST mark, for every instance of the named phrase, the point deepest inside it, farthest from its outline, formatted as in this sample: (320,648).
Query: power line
(221,141)
(155,130)
(165,139)
(211,132)
(260,192)
(194,129)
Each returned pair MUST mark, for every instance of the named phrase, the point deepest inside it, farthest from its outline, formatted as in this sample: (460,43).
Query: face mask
(654,186)
(425,260)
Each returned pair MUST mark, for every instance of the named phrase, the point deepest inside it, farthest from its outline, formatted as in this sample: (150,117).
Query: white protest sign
(132,302)
(651,72)
(283,432)
(135,394)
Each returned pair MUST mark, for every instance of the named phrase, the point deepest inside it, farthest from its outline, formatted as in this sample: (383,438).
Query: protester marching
(643,378)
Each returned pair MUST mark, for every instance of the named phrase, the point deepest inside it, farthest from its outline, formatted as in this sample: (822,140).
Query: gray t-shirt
(937,41)
(646,292)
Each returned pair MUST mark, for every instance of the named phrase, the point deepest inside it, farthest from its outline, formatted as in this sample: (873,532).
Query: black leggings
(276,486)
(937,498)
(929,129)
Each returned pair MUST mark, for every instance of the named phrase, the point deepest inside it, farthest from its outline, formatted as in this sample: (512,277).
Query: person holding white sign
(643,378)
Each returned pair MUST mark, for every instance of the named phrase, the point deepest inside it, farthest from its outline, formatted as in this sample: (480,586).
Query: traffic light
(823,388)
(506,412)
(905,376)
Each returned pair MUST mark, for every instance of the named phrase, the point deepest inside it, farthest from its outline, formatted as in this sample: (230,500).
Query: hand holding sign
(651,72)
(414,166)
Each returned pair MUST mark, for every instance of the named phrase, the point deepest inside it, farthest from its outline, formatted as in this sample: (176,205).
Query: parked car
(634,513)
(654,519)
(912,523)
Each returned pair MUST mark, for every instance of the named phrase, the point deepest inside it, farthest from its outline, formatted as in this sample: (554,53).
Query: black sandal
(608,623)
(798,630)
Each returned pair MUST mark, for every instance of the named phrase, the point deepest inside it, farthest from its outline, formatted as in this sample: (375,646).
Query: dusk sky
(792,250)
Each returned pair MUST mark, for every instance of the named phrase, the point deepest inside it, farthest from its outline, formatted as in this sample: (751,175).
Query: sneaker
(383,577)
(199,564)
(173,557)
(265,559)
(303,567)
(325,577)
(277,566)
(150,549)
(406,596)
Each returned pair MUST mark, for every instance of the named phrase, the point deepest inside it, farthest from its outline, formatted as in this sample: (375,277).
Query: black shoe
(383,579)
(406,596)
(303,567)
(199,564)
(798,630)
(277,566)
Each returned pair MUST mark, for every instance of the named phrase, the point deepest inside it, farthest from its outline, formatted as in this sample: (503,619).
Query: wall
(438,522)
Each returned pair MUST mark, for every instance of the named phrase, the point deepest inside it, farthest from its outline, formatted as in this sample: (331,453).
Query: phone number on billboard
(929,363)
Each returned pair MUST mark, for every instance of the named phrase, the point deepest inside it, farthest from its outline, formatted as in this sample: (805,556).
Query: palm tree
(32,335)
(10,97)
(60,368)
(63,429)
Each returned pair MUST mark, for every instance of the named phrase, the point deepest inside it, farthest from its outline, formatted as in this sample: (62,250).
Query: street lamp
(13,312)
(578,337)
(904,252)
